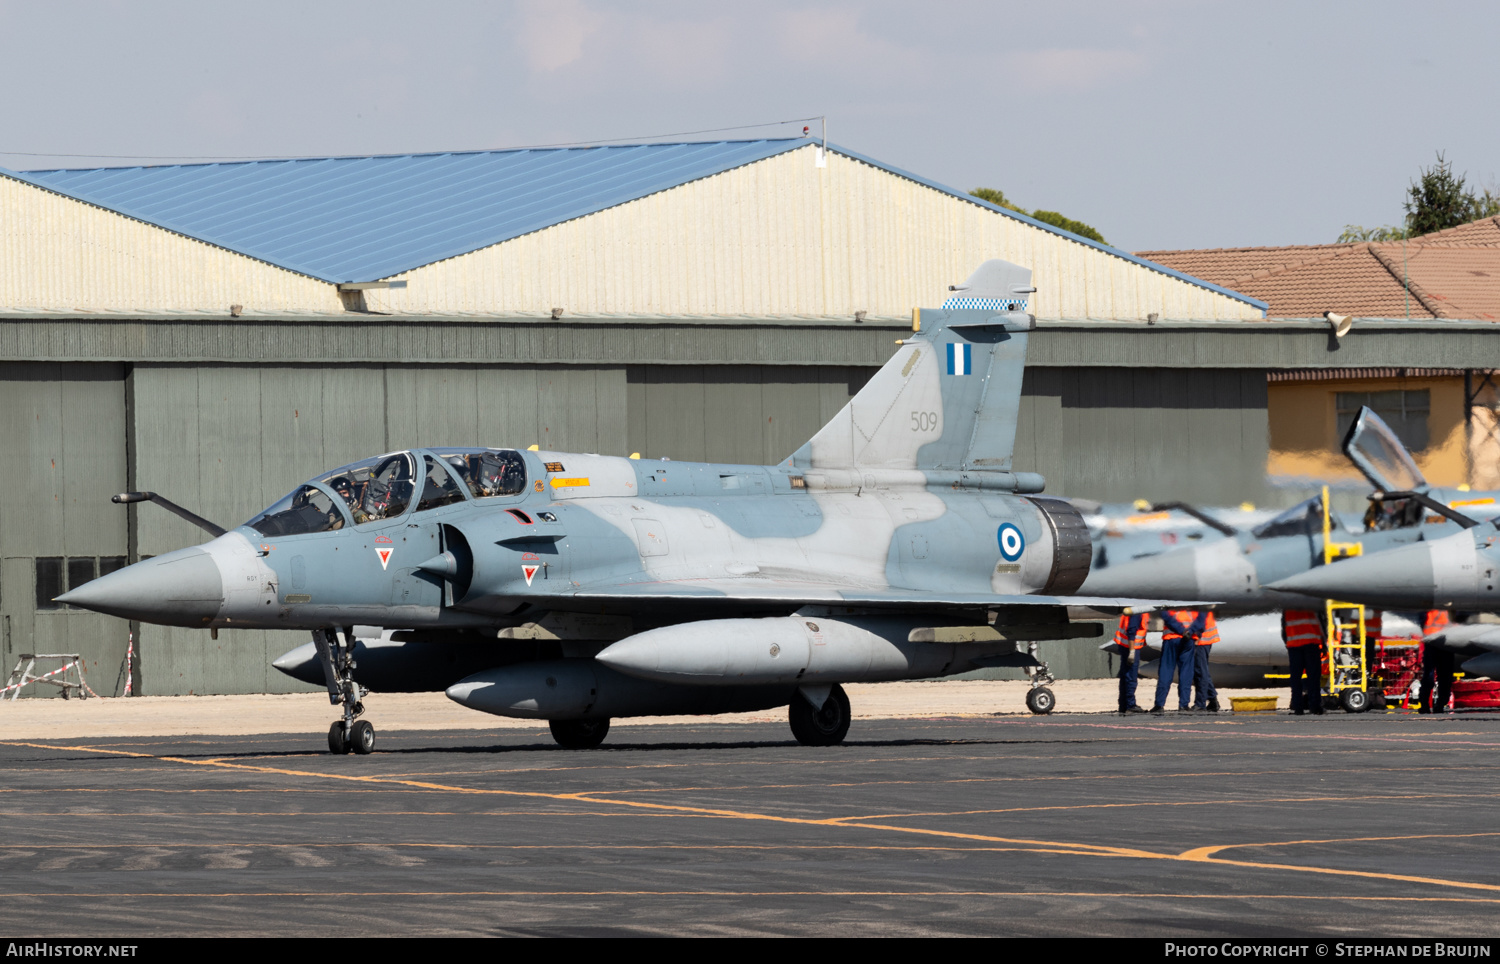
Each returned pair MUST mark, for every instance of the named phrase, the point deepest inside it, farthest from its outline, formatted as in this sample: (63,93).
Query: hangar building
(218,333)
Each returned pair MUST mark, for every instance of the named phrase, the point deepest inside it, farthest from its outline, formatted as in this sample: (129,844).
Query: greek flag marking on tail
(960,358)
(987,304)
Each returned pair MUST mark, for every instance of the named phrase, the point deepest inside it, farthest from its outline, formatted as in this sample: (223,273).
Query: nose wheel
(336,651)
(1039,698)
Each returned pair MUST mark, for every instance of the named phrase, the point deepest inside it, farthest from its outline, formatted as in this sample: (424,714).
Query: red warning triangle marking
(384,552)
(528,572)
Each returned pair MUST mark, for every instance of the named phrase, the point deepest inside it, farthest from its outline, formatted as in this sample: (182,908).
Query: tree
(1356,232)
(1068,224)
(1053,218)
(1441,200)
(995,197)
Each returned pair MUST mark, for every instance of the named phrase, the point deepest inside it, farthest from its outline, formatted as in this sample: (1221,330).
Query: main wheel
(338,739)
(826,726)
(579,734)
(1355,701)
(362,737)
(1041,701)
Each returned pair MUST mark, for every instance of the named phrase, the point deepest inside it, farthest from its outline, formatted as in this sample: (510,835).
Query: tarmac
(952,821)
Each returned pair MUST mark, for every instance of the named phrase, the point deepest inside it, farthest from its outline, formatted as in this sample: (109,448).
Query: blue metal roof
(344,219)
(362,218)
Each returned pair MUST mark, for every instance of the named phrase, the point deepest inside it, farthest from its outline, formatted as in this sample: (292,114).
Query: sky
(1167,124)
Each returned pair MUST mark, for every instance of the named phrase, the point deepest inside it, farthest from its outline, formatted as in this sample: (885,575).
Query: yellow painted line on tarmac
(1199,855)
(1339,840)
(1253,801)
(1206,855)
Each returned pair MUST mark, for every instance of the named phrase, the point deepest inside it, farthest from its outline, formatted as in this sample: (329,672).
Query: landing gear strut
(1039,698)
(336,651)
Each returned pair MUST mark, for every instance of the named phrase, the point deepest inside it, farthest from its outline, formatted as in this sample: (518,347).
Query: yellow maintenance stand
(1346,672)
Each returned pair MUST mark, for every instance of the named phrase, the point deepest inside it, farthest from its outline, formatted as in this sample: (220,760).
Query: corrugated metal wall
(62,428)
(783,236)
(1115,435)
(756,414)
(60,254)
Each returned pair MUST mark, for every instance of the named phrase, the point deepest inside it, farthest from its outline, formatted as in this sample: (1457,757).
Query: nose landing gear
(336,651)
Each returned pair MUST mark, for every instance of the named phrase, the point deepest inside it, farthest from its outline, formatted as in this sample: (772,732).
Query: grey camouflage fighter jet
(898,543)
(1457,572)
(1262,569)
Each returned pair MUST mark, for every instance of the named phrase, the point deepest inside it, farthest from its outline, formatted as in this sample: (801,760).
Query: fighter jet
(1241,569)
(1125,532)
(897,543)
(1457,572)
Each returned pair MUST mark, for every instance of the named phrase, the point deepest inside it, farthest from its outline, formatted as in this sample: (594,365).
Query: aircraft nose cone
(1395,579)
(181,588)
(301,663)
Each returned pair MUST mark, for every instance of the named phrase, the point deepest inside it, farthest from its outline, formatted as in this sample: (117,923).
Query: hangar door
(62,427)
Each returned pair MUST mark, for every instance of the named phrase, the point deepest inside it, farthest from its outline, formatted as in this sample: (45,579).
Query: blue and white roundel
(1012,543)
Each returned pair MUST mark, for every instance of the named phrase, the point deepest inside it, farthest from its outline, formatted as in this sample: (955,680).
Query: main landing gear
(336,651)
(578,734)
(821,725)
(1039,698)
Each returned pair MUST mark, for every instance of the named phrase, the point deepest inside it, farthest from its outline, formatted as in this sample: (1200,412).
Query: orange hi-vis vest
(1374,624)
(1436,619)
(1210,631)
(1184,616)
(1132,632)
(1301,627)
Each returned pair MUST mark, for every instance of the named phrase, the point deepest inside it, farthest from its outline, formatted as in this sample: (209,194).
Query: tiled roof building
(1447,274)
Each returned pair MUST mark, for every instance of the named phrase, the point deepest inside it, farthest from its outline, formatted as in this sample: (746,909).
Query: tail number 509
(924,421)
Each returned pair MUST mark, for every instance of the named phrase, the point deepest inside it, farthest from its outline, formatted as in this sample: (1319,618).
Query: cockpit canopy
(384,487)
(1303,519)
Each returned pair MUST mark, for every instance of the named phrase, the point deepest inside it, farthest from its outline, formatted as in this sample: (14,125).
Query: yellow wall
(1305,439)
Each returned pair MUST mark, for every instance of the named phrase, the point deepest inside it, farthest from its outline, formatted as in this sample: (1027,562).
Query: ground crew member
(1130,639)
(1437,665)
(1302,632)
(1179,640)
(1205,697)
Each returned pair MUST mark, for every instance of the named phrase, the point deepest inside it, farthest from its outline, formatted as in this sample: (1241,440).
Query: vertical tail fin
(948,399)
